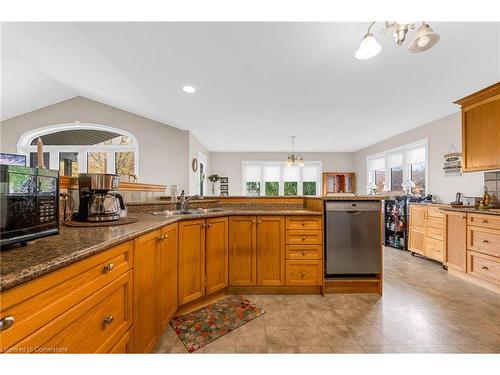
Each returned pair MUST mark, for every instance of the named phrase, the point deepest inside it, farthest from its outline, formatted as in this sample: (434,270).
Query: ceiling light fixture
(294,159)
(189,89)
(425,39)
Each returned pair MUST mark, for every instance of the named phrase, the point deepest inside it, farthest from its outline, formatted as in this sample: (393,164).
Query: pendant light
(369,46)
(425,39)
(294,159)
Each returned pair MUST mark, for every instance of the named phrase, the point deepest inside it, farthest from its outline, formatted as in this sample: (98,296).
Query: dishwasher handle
(354,206)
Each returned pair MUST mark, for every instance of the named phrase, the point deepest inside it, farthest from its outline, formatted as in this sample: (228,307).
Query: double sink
(188,212)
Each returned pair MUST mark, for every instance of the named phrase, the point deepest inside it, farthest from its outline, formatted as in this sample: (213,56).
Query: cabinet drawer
(303,222)
(296,237)
(433,249)
(484,221)
(304,252)
(124,344)
(304,272)
(436,212)
(94,325)
(434,222)
(35,304)
(483,240)
(484,266)
(434,233)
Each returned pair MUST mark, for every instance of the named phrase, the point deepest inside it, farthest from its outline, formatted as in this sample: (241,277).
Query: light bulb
(423,41)
(368,48)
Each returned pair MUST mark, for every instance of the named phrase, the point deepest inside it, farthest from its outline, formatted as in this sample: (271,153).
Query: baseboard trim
(475,280)
(362,285)
(274,289)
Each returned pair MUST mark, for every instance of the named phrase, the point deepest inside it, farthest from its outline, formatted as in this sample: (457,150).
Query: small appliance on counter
(29,198)
(97,200)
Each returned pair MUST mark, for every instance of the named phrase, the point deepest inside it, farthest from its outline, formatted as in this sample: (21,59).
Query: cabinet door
(242,251)
(270,250)
(481,135)
(417,228)
(167,275)
(145,308)
(455,240)
(216,254)
(191,260)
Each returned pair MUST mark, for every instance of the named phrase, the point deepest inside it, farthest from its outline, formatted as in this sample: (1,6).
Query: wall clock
(194,165)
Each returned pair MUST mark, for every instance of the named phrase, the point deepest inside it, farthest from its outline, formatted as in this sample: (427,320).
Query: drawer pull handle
(253,221)
(304,238)
(303,253)
(108,267)
(485,241)
(7,322)
(303,222)
(485,268)
(259,222)
(108,320)
(303,274)
(484,221)
(210,225)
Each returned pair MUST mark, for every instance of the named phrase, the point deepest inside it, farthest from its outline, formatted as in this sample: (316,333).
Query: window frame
(281,182)
(25,147)
(405,165)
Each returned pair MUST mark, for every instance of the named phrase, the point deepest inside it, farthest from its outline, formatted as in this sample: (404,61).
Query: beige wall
(441,134)
(196,147)
(163,150)
(230,163)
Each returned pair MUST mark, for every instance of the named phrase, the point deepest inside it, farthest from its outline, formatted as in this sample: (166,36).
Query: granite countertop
(473,210)
(22,264)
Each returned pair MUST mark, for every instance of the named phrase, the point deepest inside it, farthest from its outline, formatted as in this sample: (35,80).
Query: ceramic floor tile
(280,335)
(346,349)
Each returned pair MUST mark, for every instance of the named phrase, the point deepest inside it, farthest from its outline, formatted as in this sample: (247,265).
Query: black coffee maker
(98,202)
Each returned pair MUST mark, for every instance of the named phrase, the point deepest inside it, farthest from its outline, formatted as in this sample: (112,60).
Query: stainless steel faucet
(184,201)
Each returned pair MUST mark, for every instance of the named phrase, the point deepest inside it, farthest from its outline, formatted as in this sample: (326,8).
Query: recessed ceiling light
(189,89)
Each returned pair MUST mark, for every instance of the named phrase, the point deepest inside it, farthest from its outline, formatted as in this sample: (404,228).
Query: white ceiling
(258,83)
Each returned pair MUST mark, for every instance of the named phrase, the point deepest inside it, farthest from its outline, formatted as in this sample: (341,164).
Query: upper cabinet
(338,182)
(481,129)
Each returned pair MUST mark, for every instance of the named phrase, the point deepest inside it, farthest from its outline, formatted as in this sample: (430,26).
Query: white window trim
(25,147)
(282,164)
(406,167)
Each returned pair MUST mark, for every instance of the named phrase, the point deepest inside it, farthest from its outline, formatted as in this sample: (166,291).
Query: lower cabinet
(191,260)
(270,250)
(146,331)
(455,241)
(167,275)
(242,251)
(216,254)
(418,215)
(203,258)
(155,285)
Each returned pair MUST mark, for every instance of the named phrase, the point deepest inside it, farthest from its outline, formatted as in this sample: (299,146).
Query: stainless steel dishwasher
(353,238)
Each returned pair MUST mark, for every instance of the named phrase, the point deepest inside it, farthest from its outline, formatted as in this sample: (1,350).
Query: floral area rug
(198,328)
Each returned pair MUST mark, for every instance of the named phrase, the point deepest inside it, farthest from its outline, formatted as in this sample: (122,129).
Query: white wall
(441,134)
(229,163)
(163,150)
(196,147)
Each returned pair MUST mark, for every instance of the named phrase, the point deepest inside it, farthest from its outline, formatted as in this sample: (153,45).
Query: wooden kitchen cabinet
(146,332)
(270,250)
(455,240)
(242,251)
(191,260)
(418,214)
(216,254)
(167,269)
(481,129)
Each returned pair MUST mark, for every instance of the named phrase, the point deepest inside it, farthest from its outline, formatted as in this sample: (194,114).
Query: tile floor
(423,310)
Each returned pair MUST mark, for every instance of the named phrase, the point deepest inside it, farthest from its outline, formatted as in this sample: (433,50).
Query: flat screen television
(12,159)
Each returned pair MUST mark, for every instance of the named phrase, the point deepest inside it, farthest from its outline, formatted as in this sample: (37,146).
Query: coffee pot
(98,202)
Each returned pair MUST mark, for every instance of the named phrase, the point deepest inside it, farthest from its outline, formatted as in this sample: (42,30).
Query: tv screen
(12,159)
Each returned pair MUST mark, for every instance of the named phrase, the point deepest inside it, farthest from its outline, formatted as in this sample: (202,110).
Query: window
(277,179)
(407,163)
(79,148)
